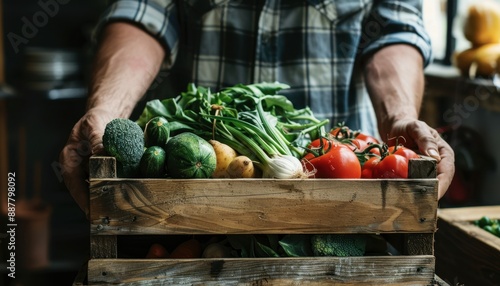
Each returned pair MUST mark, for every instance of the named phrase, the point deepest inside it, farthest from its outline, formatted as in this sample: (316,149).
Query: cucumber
(152,163)
(190,156)
(157,132)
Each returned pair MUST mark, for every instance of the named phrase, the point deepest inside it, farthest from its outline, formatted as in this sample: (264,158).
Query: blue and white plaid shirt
(315,46)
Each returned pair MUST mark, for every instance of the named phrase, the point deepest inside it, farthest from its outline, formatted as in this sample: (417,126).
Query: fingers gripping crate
(404,210)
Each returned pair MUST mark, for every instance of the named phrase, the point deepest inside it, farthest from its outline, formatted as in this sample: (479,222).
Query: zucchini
(190,156)
(152,163)
(157,132)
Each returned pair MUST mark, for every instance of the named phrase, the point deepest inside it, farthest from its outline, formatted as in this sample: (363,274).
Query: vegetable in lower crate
(338,244)
(190,156)
(124,140)
(157,250)
(190,248)
(152,163)
(216,250)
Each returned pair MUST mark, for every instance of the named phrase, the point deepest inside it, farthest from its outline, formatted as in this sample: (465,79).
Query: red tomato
(367,138)
(315,145)
(341,132)
(392,166)
(368,166)
(403,151)
(356,144)
(338,162)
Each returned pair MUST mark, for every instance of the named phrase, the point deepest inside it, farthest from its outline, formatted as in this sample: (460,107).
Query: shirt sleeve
(157,17)
(396,22)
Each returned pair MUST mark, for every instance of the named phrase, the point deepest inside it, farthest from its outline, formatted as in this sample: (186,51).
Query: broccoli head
(338,244)
(124,139)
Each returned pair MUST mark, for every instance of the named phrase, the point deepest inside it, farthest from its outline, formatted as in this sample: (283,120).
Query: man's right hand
(84,141)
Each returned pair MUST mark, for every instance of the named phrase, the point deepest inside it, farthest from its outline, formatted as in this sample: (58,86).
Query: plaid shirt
(315,46)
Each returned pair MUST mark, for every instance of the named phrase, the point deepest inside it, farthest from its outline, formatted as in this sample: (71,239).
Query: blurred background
(44,63)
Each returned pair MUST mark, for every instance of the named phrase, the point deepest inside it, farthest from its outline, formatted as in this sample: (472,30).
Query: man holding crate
(359,62)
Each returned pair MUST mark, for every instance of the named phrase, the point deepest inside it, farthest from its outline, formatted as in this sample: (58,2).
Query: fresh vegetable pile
(271,245)
(250,131)
(245,131)
(490,225)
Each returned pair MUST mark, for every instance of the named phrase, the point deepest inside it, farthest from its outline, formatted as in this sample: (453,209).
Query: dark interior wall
(39,125)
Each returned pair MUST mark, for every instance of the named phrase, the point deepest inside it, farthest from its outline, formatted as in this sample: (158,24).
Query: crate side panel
(465,253)
(402,270)
(262,206)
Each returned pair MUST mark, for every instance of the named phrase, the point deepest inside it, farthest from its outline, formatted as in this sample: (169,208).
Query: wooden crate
(403,210)
(465,253)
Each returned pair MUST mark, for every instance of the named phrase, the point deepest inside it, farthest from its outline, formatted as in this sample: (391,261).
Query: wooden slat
(102,167)
(103,246)
(135,206)
(375,270)
(419,244)
(422,168)
(468,214)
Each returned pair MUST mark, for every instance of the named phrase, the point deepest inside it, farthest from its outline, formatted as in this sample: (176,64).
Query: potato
(216,250)
(225,155)
(241,167)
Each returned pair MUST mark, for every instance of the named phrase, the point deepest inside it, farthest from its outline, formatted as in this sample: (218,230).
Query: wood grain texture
(397,270)
(135,206)
(103,246)
(424,167)
(465,253)
(405,207)
(102,167)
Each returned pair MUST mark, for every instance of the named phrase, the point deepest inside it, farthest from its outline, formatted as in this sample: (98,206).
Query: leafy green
(296,245)
(253,119)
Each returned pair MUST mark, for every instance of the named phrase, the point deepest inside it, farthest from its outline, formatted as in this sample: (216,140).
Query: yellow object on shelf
(482,24)
(478,61)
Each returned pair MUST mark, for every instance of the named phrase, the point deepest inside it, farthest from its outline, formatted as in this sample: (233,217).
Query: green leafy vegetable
(297,245)
(252,119)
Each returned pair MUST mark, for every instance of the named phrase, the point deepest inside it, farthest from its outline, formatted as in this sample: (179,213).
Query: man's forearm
(395,81)
(126,63)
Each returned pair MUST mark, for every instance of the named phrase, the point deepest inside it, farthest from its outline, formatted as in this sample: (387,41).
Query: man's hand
(125,65)
(427,140)
(84,141)
(395,81)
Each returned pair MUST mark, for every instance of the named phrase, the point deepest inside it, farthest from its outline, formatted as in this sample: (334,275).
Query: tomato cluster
(344,153)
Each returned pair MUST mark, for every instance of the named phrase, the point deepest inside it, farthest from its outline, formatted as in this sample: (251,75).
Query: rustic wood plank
(103,246)
(160,206)
(468,214)
(375,270)
(422,168)
(419,244)
(102,167)
(465,253)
